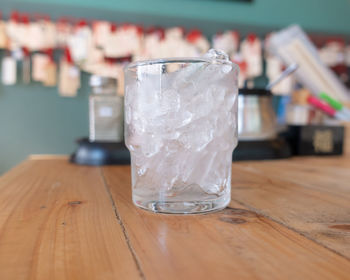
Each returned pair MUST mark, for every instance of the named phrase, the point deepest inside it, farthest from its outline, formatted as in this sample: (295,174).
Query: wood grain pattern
(288,220)
(236,243)
(57,222)
(347,138)
(309,195)
(46,156)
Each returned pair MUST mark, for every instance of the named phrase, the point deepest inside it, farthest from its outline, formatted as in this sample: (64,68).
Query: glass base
(182,207)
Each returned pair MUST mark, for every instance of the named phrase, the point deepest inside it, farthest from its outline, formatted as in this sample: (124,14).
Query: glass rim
(136,64)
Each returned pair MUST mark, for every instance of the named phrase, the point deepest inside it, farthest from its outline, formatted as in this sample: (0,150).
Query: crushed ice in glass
(181,126)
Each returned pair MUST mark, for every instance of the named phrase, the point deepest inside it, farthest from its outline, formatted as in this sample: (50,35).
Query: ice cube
(216,172)
(218,93)
(167,172)
(214,54)
(190,162)
(169,102)
(226,68)
(185,76)
(151,145)
(201,104)
(183,118)
(147,70)
(230,104)
(128,114)
(197,135)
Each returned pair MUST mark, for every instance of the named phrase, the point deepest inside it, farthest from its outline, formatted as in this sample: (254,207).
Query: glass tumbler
(181,130)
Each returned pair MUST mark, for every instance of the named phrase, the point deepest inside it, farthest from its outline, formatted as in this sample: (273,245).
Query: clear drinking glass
(181,130)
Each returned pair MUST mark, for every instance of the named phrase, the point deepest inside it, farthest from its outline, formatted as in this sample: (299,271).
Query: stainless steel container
(256,117)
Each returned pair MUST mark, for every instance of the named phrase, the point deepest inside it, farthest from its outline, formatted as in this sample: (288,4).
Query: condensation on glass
(105,111)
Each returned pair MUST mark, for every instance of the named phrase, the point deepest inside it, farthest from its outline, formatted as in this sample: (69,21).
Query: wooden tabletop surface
(288,219)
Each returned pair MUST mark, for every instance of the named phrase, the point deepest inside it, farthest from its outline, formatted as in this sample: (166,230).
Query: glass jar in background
(105,110)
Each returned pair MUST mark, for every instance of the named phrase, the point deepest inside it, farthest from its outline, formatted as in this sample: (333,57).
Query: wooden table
(288,219)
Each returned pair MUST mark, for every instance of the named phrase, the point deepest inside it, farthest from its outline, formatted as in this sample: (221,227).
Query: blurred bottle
(8,70)
(106,110)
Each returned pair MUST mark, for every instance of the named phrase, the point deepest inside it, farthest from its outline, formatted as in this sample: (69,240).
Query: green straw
(332,102)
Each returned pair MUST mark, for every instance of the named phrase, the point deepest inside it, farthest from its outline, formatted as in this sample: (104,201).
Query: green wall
(34,119)
(330,16)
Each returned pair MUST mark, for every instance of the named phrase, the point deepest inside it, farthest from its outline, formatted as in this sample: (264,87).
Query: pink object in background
(321,105)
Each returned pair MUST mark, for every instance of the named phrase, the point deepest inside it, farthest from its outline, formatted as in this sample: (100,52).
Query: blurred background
(44,107)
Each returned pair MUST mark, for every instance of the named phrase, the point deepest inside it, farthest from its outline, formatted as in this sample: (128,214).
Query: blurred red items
(67,55)
(193,35)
